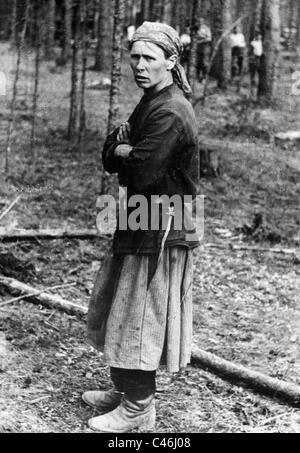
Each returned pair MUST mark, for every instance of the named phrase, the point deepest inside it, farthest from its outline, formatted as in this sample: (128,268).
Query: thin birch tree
(50,12)
(67,32)
(73,115)
(225,70)
(38,45)
(84,51)
(271,42)
(119,15)
(11,124)
(103,47)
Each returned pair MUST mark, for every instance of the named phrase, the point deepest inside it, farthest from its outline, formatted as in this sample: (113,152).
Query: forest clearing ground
(246,303)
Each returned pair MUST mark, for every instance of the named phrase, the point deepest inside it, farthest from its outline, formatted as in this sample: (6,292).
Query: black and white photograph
(150,219)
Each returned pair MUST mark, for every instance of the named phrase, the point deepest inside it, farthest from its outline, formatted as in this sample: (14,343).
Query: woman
(140,313)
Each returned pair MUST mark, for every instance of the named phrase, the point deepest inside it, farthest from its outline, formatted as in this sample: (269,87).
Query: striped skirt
(140,313)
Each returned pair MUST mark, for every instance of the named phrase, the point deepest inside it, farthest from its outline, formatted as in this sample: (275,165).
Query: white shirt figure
(3,83)
(185,39)
(257,47)
(130,32)
(238,40)
(204,33)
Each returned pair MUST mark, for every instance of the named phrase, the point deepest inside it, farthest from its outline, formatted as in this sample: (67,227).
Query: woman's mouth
(141,79)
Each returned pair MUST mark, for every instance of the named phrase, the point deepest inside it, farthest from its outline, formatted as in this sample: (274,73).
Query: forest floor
(246,303)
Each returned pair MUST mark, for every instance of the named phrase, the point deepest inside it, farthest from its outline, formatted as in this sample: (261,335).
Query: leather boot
(130,414)
(103,401)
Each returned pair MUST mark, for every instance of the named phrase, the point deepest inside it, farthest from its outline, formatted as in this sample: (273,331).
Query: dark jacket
(164,160)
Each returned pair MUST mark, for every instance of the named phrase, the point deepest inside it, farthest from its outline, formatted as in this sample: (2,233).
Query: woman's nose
(141,64)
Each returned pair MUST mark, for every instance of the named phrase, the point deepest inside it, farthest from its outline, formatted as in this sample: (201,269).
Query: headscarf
(168,39)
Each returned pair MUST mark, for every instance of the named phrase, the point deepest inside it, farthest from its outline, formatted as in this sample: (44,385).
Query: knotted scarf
(168,39)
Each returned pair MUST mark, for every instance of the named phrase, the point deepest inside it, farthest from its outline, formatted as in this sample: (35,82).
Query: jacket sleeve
(111,163)
(150,158)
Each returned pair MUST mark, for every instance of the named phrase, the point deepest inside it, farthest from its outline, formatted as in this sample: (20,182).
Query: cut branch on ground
(240,375)
(42,298)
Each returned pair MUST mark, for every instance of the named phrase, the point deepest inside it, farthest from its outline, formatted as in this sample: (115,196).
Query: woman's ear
(171,62)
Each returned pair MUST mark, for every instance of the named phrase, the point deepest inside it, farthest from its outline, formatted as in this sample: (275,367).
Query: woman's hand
(123,150)
(124,133)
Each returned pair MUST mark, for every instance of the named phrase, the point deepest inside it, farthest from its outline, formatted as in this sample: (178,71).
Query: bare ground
(246,304)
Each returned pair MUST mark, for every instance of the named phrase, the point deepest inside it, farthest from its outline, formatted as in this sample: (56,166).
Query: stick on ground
(27,235)
(6,211)
(43,298)
(240,375)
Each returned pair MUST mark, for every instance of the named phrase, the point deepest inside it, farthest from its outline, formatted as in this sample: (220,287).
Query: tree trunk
(38,45)
(84,54)
(73,117)
(95,18)
(11,124)
(271,43)
(145,13)
(14,27)
(192,66)
(183,23)
(67,32)
(298,27)
(256,19)
(167,12)
(175,15)
(291,24)
(119,15)
(152,10)
(225,69)
(103,48)
(50,28)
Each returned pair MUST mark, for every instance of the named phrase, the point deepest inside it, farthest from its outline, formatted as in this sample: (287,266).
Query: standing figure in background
(256,52)
(238,46)
(204,39)
(185,39)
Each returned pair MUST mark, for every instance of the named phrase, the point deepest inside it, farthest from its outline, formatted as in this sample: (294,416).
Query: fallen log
(35,293)
(251,248)
(242,376)
(27,235)
(43,298)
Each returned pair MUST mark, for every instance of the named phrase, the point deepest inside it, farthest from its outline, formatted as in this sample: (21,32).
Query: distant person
(130,32)
(204,39)
(185,39)
(255,56)
(238,46)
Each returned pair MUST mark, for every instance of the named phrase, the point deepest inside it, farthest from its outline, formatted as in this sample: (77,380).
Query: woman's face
(151,68)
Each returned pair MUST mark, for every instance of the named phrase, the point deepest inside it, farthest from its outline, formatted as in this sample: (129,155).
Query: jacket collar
(151,96)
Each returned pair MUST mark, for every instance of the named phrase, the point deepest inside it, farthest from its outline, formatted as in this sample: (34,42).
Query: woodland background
(65,82)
